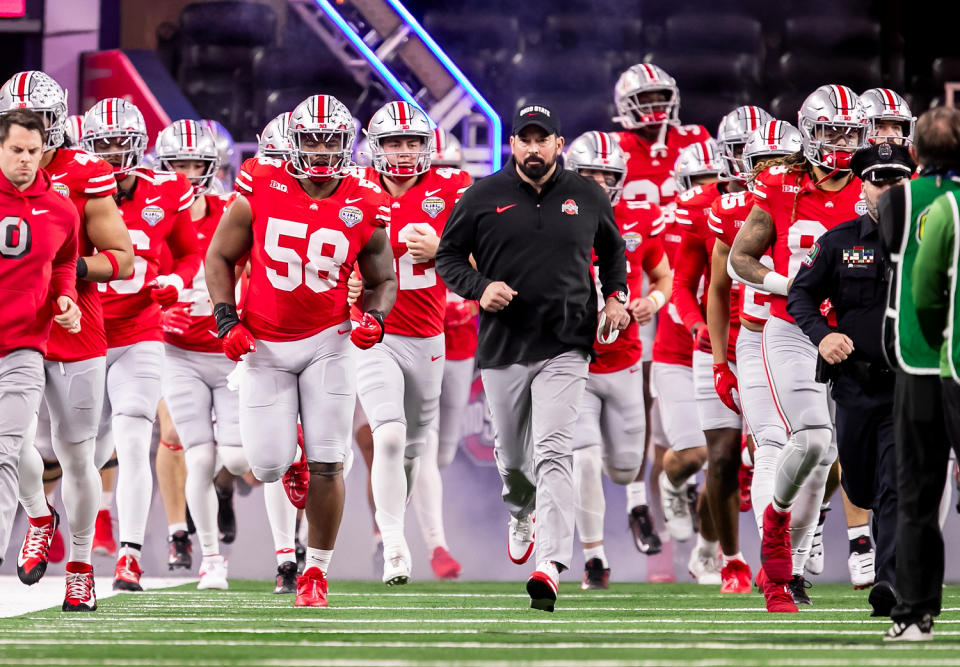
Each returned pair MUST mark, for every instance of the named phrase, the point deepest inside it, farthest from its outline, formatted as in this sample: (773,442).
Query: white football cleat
(861,569)
(676,509)
(396,566)
(520,538)
(815,560)
(213,574)
(705,569)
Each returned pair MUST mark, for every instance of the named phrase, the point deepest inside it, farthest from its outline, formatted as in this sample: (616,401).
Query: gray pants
(21,386)
(535,407)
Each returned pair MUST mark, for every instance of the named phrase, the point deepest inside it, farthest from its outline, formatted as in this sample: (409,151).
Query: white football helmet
(73,130)
(38,92)
(700,159)
(638,80)
(775,138)
(399,119)
(599,151)
(115,123)
(829,112)
(732,134)
(189,140)
(883,104)
(320,119)
(273,141)
(447,149)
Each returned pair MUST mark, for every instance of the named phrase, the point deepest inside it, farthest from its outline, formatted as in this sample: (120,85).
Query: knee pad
(267,474)
(623,476)
(51,470)
(390,440)
(588,461)
(202,459)
(233,460)
(815,443)
(326,469)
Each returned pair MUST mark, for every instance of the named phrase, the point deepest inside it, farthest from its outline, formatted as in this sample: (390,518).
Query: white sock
(134,479)
(106,499)
(764,472)
(282,517)
(706,547)
(590,504)
(636,495)
(411,470)
(388,478)
(856,532)
(174,527)
(596,552)
(31,493)
(806,514)
(736,556)
(200,461)
(428,496)
(80,491)
(318,558)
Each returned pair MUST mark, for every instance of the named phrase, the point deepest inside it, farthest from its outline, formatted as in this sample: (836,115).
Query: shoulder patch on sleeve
(812,255)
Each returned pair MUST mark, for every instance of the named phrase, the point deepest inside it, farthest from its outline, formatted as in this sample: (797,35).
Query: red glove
(369,332)
(701,339)
(238,342)
(725,383)
(165,290)
(459,313)
(176,319)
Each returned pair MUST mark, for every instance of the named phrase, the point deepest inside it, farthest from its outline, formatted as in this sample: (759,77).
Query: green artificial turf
(470,624)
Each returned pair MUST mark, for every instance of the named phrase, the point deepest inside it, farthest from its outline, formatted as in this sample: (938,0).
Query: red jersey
(727,216)
(672,343)
(38,261)
(303,248)
(201,335)
(801,212)
(460,328)
(421,295)
(694,259)
(640,224)
(81,177)
(156,213)
(651,178)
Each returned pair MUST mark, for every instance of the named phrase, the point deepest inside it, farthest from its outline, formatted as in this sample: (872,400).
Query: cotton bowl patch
(152,215)
(433,206)
(633,240)
(861,206)
(61,189)
(351,215)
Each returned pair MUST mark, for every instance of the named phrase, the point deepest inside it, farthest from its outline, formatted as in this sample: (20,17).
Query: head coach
(532,228)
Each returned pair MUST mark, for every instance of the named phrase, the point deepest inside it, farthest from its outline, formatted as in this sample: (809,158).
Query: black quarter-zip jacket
(541,245)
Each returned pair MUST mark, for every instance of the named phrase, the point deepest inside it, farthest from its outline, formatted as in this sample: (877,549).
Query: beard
(535,168)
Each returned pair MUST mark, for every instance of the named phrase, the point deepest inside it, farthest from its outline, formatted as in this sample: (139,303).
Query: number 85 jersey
(303,248)
(421,296)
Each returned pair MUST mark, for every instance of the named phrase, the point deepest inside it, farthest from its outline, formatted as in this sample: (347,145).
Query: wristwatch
(620,296)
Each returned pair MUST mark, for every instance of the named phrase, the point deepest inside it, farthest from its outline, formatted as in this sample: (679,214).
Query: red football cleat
(296,481)
(735,577)
(311,589)
(775,546)
(126,576)
(444,565)
(778,597)
(103,542)
(81,595)
(35,551)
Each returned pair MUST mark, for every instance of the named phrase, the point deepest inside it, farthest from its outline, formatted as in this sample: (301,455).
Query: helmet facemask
(402,163)
(831,144)
(319,155)
(121,149)
(880,135)
(638,110)
(202,183)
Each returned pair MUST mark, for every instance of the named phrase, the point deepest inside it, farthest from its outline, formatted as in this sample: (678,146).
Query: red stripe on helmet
(402,113)
(321,108)
(891,100)
(842,99)
(188,132)
(439,139)
(774,131)
(109,112)
(22,85)
(652,73)
(754,117)
(602,140)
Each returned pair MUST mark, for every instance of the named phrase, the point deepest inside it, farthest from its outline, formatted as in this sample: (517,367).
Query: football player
(795,202)
(75,364)
(609,435)
(305,224)
(398,383)
(155,208)
(890,117)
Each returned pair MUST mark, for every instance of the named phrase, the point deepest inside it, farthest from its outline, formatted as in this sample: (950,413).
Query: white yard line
(17,599)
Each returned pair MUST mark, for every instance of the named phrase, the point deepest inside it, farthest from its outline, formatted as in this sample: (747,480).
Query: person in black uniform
(846,266)
(531,227)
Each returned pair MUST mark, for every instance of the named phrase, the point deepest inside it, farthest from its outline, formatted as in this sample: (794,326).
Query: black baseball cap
(882,162)
(536,114)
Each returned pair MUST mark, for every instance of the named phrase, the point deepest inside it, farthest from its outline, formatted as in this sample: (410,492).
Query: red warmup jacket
(38,261)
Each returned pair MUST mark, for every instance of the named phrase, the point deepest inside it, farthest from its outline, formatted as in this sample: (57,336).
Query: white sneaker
(213,574)
(542,586)
(676,509)
(815,560)
(705,569)
(915,631)
(861,569)
(520,538)
(396,566)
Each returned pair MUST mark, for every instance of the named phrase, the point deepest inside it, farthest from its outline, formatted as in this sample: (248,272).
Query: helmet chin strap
(659,147)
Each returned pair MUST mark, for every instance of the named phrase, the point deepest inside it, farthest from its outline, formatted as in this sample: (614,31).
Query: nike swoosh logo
(432,358)
(634,370)
(353,201)
(150,201)
(342,333)
(57,177)
(501,209)
(430,193)
(41,211)
(631,226)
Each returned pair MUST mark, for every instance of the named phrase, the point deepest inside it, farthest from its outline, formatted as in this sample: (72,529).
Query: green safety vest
(913,354)
(953,325)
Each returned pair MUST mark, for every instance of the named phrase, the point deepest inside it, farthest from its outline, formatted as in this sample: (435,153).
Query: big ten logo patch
(476,426)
